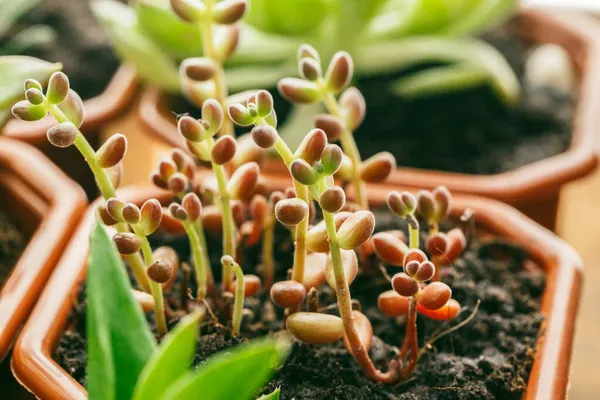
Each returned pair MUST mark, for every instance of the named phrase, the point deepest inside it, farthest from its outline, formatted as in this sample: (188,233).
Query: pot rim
(111,103)
(57,203)
(34,367)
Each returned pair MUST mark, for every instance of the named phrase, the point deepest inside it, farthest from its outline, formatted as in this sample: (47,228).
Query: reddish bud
(309,69)
(229,11)
(307,51)
(242,183)
(331,125)
(332,199)
(224,150)
(199,69)
(340,71)
(151,216)
(191,203)
(287,294)
(354,108)
(404,285)
(303,172)
(239,211)
(378,167)
(160,271)
(291,212)
(425,272)
(314,272)
(389,248)
(26,111)
(331,159)
(191,129)
(416,255)
(158,180)
(240,115)
(312,146)
(401,204)
(356,229)
(276,196)
(112,151)
(299,91)
(252,284)
(315,328)
(264,103)
(62,135)
(114,207)
(178,212)
(58,88)
(265,136)
(131,214)
(178,183)
(212,114)
(443,200)
(169,255)
(392,304)
(316,237)
(435,295)
(364,330)
(105,216)
(258,209)
(350,264)
(445,313)
(127,243)
(437,244)
(188,10)
(426,205)
(166,167)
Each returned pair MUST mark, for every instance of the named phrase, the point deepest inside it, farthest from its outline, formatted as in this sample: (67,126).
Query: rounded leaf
(62,135)
(309,69)
(112,151)
(127,243)
(264,103)
(314,270)
(58,88)
(392,304)
(444,313)
(252,285)
(224,150)
(151,216)
(160,271)
(303,172)
(229,11)
(199,69)
(378,167)
(350,264)
(265,136)
(316,237)
(312,146)
(356,230)
(131,214)
(331,125)
(290,212)
(435,295)
(354,107)
(307,51)
(332,199)
(404,285)
(192,205)
(191,129)
(332,159)
(240,115)
(243,182)
(287,294)
(72,107)
(26,111)
(340,71)
(315,328)
(34,96)
(299,91)
(389,248)
(401,203)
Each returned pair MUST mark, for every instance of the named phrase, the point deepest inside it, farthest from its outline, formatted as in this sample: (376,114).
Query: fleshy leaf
(119,340)
(236,375)
(13,72)
(289,17)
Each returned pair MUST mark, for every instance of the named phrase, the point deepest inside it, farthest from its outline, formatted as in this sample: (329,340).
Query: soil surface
(489,357)
(12,243)
(81,44)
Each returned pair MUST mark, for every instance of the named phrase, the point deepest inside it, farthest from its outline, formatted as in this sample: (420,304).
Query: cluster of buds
(174,172)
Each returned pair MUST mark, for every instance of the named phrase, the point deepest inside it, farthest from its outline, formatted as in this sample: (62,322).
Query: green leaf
(274,395)
(288,17)
(234,375)
(172,359)
(256,46)
(119,340)
(31,37)
(151,63)
(483,17)
(256,76)
(12,10)
(13,72)
(174,36)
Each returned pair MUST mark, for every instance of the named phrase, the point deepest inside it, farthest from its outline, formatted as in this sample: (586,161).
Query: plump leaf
(433,81)
(234,375)
(13,72)
(132,45)
(484,16)
(274,395)
(172,359)
(119,340)
(289,17)
(174,36)
(256,46)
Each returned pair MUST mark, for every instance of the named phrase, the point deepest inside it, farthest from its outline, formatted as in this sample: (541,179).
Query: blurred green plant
(381,35)
(124,361)
(27,38)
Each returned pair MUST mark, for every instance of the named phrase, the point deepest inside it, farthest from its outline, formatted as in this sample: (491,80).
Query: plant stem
(210,280)
(155,288)
(238,303)
(267,250)
(229,239)
(411,337)
(351,149)
(199,260)
(107,191)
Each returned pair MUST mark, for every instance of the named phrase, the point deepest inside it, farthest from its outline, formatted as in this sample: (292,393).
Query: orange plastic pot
(535,188)
(47,205)
(34,367)
(110,104)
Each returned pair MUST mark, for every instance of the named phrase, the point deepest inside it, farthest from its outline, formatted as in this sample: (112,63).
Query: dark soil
(12,243)
(81,44)
(490,357)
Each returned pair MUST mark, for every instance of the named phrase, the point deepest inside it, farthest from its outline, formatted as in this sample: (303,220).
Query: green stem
(106,189)
(238,303)
(267,251)
(200,266)
(202,238)
(351,149)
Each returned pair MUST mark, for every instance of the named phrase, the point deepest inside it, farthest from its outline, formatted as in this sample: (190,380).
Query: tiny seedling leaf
(119,340)
(172,359)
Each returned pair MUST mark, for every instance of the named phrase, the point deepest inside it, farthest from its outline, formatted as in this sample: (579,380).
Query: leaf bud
(127,243)
(72,107)
(105,216)
(131,214)
(188,10)
(389,248)
(178,183)
(151,216)
(199,69)
(332,199)
(58,88)
(240,115)
(264,103)
(309,69)
(356,230)
(191,203)
(191,129)
(314,273)
(425,272)
(243,182)
(414,255)
(435,295)
(340,71)
(212,114)
(303,172)
(315,328)
(298,90)
(229,11)
(160,271)
(443,200)
(331,159)
(425,205)
(112,151)
(114,207)
(307,51)
(437,244)
(331,125)
(350,264)
(62,135)
(224,150)
(26,111)
(32,84)
(265,136)
(34,96)
(312,146)
(378,167)
(404,285)
(290,212)
(287,294)
(354,107)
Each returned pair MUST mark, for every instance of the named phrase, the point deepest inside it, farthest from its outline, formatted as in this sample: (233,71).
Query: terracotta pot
(112,103)
(47,205)
(34,367)
(535,188)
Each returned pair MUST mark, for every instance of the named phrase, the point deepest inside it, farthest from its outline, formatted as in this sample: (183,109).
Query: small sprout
(127,242)
(240,115)
(131,214)
(34,96)
(199,69)
(437,244)
(443,199)
(302,172)
(191,129)
(112,151)
(264,103)
(224,150)
(63,134)
(32,84)
(307,51)
(169,255)
(243,182)
(365,331)
(331,159)
(192,205)
(58,88)
(434,206)
(290,212)
(212,114)
(392,304)
(389,248)
(298,90)
(105,216)
(424,272)
(332,199)
(160,271)
(445,313)
(190,11)
(340,71)
(114,207)
(26,111)
(265,136)
(404,285)
(350,264)
(354,108)
(312,146)
(356,230)
(414,255)
(287,294)
(309,69)
(167,167)
(178,212)
(252,285)
(178,183)
(401,203)
(229,11)
(316,237)
(435,295)
(314,273)
(151,216)
(331,125)
(457,242)
(378,167)
(315,328)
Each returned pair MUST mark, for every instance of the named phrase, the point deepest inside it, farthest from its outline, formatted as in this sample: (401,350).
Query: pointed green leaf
(13,72)
(232,374)
(274,395)
(172,359)
(484,16)
(119,340)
